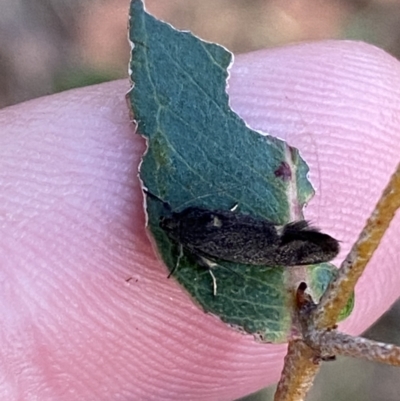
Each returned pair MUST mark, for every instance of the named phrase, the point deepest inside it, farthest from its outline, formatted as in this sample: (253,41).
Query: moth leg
(177,261)
(214,282)
(209,265)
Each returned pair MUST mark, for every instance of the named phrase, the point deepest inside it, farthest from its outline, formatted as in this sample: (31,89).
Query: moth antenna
(155,197)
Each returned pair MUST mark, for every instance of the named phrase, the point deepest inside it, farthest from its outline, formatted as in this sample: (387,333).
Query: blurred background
(47,46)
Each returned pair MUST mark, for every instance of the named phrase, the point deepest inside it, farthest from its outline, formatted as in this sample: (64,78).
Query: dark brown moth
(238,237)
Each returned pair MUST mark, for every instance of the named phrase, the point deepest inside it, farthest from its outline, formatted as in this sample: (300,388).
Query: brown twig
(301,362)
(336,343)
(339,291)
(298,373)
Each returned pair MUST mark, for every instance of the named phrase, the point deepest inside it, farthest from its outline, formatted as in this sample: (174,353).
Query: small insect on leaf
(241,238)
(212,235)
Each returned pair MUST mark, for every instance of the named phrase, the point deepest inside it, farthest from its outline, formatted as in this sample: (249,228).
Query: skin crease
(86,309)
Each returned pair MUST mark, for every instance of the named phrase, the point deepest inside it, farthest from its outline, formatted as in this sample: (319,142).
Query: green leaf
(200,153)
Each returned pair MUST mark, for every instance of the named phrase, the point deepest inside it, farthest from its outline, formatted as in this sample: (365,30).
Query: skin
(72,230)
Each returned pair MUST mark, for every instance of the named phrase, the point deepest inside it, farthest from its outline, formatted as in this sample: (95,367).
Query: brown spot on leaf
(283,171)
